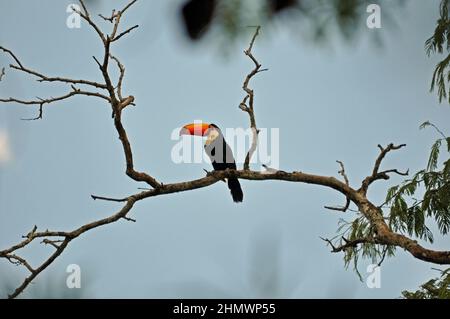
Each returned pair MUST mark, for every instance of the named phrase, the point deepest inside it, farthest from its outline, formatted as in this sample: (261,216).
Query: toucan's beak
(194,129)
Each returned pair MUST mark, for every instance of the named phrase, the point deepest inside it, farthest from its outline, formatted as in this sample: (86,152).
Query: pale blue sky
(330,103)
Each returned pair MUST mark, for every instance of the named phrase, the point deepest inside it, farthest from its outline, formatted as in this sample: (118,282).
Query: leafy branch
(409,214)
(439,43)
(437,288)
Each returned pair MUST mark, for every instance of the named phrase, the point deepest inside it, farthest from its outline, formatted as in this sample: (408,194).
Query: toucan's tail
(235,189)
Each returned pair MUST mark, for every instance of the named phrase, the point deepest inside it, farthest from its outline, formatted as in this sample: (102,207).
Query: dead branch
(43,78)
(347,200)
(121,76)
(247,103)
(63,243)
(94,197)
(2,74)
(376,174)
(118,103)
(41,102)
(125,32)
(54,243)
(347,243)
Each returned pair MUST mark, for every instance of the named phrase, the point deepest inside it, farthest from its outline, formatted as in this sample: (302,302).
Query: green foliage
(438,288)
(439,42)
(360,228)
(409,214)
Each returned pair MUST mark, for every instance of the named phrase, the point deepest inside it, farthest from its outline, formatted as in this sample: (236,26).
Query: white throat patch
(212,135)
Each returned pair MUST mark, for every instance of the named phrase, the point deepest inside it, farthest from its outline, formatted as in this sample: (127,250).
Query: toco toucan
(218,151)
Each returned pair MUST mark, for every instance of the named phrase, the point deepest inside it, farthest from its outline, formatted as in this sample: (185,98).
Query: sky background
(332,102)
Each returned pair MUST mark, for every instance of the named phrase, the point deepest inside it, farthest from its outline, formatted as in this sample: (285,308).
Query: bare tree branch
(85,15)
(383,256)
(376,174)
(127,6)
(19,261)
(44,78)
(129,219)
(41,102)
(54,243)
(249,97)
(12,55)
(347,202)
(94,197)
(121,76)
(118,103)
(68,237)
(347,243)
(124,32)
(2,74)
(110,18)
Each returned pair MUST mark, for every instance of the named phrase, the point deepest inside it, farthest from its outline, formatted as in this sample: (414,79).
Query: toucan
(218,151)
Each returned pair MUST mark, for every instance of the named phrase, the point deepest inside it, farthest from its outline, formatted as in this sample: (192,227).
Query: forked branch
(347,199)
(247,103)
(376,174)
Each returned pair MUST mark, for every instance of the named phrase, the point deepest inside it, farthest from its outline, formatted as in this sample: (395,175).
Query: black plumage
(222,158)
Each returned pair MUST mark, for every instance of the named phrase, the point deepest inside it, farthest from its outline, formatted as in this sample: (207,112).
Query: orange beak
(194,129)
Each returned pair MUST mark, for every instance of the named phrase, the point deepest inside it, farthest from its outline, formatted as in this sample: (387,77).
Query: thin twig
(348,243)
(347,202)
(94,197)
(383,256)
(2,73)
(85,15)
(125,32)
(376,174)
(41,102)
(437,130)
(44,78)
(54,243)
(111,18)
(121,76)
(129,219)
(19,261)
